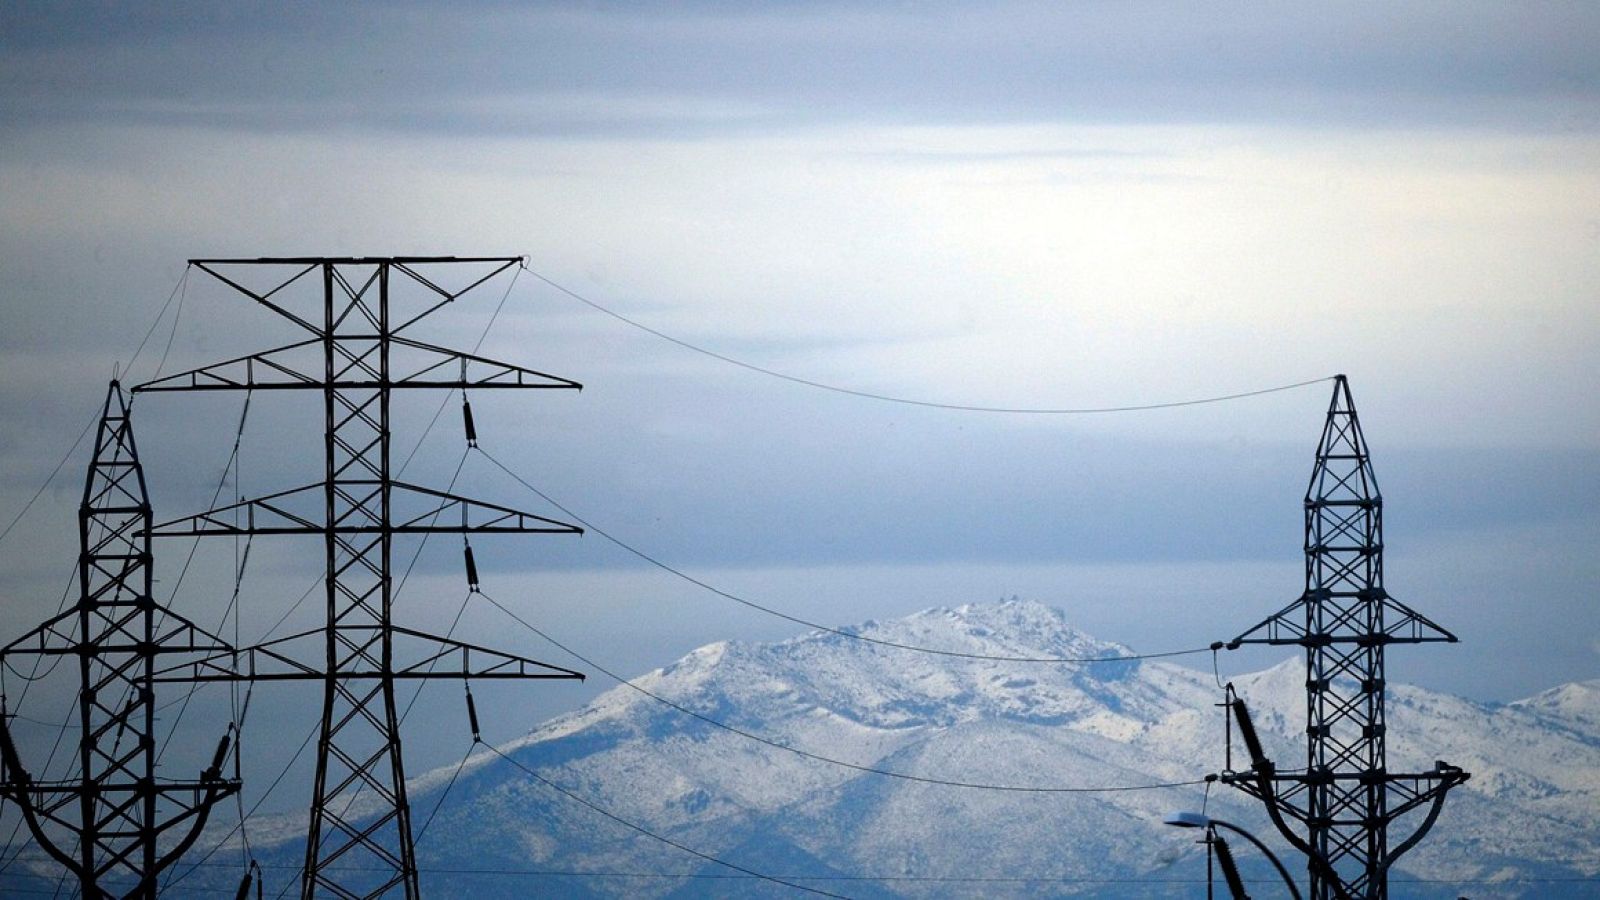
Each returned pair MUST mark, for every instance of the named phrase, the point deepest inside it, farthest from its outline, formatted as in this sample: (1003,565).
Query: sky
(1002,204)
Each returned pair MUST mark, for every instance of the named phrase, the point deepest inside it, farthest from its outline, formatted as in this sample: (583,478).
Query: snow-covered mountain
(1527,824)
(1532,809)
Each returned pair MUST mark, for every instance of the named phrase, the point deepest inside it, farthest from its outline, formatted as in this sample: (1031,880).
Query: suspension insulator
(215,772)
(466,418)
(472,716)
(472,568)
(1247,731)
(244,886)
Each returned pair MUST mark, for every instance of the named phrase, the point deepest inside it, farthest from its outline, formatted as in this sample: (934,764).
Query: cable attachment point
(252,876)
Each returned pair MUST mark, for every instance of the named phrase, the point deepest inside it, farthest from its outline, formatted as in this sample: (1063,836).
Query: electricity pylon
(355,358)
(1346,798)
(115,826)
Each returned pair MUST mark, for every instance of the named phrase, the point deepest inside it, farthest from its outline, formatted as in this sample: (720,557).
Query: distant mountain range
(1526,825)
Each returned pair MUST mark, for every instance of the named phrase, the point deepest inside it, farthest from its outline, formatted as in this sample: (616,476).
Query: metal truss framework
(115,826)
(1346,798)
(356,358)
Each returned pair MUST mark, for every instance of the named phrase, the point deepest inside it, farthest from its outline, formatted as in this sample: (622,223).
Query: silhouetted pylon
(1346,798)
(353,361)
(115,826)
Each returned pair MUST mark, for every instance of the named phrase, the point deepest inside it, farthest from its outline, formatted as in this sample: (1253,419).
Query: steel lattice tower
(115,826)
(355,358)
(1346,798)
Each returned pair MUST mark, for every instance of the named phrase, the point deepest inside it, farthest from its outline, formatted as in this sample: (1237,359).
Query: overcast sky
(1007,204)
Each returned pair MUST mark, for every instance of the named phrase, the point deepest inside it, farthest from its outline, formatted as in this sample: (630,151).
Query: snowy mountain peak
(867,674)
(1005,628)
(1578,702)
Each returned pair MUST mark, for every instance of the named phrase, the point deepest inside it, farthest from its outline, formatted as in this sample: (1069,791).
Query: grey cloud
(700,67)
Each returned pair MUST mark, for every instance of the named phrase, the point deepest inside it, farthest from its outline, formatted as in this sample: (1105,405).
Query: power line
(933,404)
(493,317)
(806,622)
(653,835)
(359,524)
(828,759)
(28,682)
(194,546)
(432,664)
(73,725)
(735,876)
(118,837)
(177,316)
(444,794)
(882,878)
(56,470)
(182,280)
(193,867)
(52,476)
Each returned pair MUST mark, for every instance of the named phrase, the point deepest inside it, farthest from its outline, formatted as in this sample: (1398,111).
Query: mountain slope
(1531,811)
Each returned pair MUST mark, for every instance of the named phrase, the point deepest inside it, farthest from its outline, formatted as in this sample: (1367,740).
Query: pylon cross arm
(473,515)
(419,656)
(414,510)
(356,356)
(289,367)
(445,657)
(1401,625)
(177,635)
(429,366)
(300,366)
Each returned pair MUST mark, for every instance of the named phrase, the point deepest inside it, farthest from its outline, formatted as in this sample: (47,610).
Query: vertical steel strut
(1346,798)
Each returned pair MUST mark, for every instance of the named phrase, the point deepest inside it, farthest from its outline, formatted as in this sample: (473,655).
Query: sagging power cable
(806,622)
(888,398)
(654,835)
(93,419)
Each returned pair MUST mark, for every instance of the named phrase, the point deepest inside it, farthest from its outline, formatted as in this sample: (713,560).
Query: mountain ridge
(1531,810)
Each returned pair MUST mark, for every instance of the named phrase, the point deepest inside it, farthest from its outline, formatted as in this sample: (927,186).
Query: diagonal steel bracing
(1346,798)
(355,358)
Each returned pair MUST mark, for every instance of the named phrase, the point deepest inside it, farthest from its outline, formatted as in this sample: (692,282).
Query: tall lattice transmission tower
(358,312)
(1346,798)
(115,825)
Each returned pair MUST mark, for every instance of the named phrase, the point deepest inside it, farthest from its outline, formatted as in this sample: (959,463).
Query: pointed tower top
(1343,471)
(1344,549)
